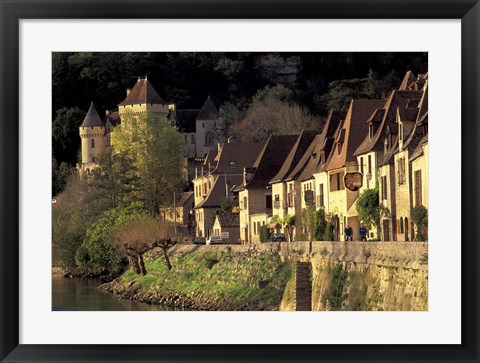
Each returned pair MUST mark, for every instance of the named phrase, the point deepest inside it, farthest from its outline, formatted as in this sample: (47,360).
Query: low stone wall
(410,255)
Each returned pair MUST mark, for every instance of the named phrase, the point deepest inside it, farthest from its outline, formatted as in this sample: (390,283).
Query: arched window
(401,225)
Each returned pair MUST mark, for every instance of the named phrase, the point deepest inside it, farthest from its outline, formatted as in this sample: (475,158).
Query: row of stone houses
(385,141)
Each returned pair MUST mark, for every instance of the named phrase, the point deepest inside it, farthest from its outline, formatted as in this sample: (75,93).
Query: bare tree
(136,237)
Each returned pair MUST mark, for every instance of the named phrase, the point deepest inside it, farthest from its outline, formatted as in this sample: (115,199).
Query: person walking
(362,232)
(348,233)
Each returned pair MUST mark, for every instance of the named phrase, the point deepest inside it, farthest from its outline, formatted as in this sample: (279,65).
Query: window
(209,138)
(384,188)
(92,143)
(245,205)
(336,182)
(203,124)
(406,228)
(418,188)
(401,170)
(254,227)
(370,164)
(321,201)
(232,164)
(268,202)
(361,165)
(401,225)
(370,131)
(185,137)
(192,139)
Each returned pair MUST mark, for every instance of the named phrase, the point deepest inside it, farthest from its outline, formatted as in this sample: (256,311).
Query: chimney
(128,91)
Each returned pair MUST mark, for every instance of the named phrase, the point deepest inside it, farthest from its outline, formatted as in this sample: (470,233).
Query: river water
(77,294)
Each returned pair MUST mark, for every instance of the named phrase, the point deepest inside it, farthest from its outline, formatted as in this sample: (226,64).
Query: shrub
(419,216)
(96,255)
(328,236)
(263,234)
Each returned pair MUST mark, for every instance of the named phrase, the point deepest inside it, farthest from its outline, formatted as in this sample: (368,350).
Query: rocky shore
(193,301)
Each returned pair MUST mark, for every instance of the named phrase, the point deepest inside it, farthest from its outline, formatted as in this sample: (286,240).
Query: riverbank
(208,278)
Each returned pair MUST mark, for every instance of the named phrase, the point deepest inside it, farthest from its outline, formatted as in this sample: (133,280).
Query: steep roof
(142,92)
(352,132)
(92,118)
(208,111)
(408,79)
(396,99)
(218,193)
(313,161)
(185,197)
(271,159)
(113,118)
(419,149)
(229,220)
(233,157)
(185,119)
(298,150)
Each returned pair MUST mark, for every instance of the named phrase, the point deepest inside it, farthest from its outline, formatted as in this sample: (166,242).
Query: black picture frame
(12,11)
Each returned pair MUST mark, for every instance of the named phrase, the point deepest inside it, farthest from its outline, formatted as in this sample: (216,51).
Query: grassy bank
(208,279)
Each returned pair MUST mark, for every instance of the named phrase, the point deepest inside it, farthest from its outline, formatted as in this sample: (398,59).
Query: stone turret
(92,133)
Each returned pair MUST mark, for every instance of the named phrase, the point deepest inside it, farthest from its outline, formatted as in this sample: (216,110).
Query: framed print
(232,181)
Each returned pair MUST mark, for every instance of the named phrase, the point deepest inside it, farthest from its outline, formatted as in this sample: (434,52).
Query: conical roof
(208,111)
(143,92)
(92,118)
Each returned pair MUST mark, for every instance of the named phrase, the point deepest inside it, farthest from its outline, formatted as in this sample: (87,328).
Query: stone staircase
(303,286)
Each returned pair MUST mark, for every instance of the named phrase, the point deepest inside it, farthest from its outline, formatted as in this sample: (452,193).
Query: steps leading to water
(303,286)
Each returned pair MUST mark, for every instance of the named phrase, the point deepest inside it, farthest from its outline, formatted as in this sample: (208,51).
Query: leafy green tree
(263,233)
(368,208)
(319,225)
(289,222)
(60,175)
(419,216)
(328,236)
(96,255)
(158,155)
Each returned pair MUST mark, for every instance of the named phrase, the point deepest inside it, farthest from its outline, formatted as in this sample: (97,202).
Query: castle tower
(92,133)
(143,98)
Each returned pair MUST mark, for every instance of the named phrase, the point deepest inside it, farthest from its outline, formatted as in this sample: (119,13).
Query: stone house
(286,190)
(255,193)
(227,226)
(381,126)
(347,138)
(221,173)
(402,140)
(320,158)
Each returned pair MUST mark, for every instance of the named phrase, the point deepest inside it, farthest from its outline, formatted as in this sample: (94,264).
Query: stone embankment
(325,276)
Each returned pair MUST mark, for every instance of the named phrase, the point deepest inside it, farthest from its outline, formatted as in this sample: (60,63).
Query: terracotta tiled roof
(218,193)
(143,92)
(233,157)
(208,111)
(298,150)
(92,118)
(354,129)
(229,220)
(397,99)
(271,159)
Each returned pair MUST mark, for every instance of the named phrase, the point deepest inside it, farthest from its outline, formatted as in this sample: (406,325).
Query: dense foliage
(419,216)
(368,208)
(96,255)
